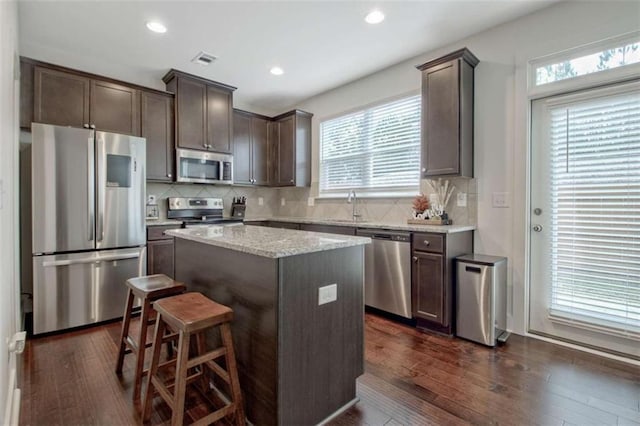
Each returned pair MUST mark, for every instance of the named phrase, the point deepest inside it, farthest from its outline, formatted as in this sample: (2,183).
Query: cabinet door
(259,151)
(441,121)
(273,128)
(428,288)
(219,121)
(115,108)
(286,158)
(160,257)
(157,127)
(60,98)
(241,148)
(191,99)
(26,94)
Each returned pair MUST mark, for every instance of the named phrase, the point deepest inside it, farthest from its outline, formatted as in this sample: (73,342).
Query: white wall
(501,113)
(9,295)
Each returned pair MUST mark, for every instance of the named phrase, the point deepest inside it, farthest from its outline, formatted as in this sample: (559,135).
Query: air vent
(204,58)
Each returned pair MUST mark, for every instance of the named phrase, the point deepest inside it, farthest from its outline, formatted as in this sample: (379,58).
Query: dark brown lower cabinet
(160,254)
(433,278)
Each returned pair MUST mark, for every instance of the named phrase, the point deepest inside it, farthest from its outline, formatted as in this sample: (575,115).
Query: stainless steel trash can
(481,298)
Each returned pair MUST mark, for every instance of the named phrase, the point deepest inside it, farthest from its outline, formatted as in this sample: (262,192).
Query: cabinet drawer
(157,232)
(428,242)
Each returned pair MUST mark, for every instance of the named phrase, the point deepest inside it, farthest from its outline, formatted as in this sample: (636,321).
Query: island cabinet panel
(433,277)
(115,108)
(203,112)
(297,360)
(60,98)
(157,127)
(321,381)
(447,115)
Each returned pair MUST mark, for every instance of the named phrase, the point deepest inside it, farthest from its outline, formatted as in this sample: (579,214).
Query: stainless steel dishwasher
(387,271)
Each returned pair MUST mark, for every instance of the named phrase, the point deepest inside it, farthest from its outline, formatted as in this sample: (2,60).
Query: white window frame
(406,192)
(613,75)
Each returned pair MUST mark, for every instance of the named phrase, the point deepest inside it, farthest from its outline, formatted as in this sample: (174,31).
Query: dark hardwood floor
(411,378)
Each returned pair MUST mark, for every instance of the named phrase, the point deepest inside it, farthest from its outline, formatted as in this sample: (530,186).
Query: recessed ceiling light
(277,71)
(156,27)
(374,17)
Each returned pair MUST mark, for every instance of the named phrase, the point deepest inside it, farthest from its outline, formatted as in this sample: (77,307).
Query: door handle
(537,228)
(96,259)
(91,201)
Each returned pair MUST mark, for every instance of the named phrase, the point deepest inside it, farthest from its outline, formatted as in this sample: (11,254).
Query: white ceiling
(319,44)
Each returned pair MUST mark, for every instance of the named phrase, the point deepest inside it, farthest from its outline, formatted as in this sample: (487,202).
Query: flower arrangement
(433,212)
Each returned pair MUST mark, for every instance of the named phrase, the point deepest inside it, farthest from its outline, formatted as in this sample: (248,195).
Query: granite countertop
(264,241)
(163,222)
(441,229)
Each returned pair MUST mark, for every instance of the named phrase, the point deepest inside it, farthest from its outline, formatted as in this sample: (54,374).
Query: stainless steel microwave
(204,167)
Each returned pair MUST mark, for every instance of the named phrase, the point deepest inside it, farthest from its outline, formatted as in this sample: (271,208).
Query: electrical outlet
(327,294)
(311,201)
(462,199)
(151,199)
(283,202)
(260,201)
(500,200)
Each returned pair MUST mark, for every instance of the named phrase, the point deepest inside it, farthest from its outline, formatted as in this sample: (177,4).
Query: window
(596,62)
(376,150)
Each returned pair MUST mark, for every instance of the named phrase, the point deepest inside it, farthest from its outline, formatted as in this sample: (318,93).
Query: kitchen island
(299,348)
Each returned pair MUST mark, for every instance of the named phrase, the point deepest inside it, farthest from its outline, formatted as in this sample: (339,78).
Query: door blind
(595,217)
(374,149)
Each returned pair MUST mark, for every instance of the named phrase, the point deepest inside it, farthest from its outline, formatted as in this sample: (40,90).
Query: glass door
(585,218)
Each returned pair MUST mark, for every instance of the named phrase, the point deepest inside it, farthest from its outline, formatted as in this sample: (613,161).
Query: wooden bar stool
(191,314)
(149,289)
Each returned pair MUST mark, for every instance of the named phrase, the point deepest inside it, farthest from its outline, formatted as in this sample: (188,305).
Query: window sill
(362,195)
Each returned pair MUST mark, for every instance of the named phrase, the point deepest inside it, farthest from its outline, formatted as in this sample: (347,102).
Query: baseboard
(12,405)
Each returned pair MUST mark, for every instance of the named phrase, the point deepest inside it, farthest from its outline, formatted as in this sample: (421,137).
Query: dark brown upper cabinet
(157,125)
(250,148)
(114,108)
(447,115)
(204,118)
(60,96)
(291,150)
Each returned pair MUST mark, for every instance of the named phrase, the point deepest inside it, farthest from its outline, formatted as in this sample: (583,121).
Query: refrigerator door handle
(91,190)
(101,183)
(96,259)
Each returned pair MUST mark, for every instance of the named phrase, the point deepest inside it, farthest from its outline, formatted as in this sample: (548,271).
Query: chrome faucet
(352,199)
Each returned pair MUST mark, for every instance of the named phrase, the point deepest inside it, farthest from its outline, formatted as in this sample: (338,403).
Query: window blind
(595,217)
(377,149)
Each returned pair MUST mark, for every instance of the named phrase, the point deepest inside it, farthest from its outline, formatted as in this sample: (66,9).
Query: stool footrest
(215,416)
(201,359)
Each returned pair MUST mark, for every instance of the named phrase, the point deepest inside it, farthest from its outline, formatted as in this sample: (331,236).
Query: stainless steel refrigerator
(88,224)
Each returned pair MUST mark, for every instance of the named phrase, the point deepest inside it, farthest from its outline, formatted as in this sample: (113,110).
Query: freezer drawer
(481,298)
(70,290)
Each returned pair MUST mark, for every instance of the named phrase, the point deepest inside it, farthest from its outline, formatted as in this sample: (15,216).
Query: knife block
(237,210)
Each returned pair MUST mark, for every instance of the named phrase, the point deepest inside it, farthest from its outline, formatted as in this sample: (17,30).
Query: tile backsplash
(383,210)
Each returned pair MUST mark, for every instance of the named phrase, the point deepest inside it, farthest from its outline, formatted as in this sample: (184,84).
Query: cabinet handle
(426,243)
(424,169)
(169,175)
(86,126)
(93,126)
(415,258)
(291,181)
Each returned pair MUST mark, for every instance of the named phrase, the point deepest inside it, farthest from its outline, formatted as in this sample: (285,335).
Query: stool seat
(148,289)
(192,312)
(154,286)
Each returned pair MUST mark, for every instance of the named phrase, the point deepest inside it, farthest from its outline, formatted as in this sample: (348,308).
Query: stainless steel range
(198,211)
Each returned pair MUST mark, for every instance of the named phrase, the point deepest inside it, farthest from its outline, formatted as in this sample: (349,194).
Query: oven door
(201,167)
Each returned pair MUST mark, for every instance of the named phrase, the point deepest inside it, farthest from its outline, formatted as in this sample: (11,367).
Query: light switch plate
(311,201)
(151,199)
(260,201)
(327,294)
(462,199)
(500,200)
(283,201)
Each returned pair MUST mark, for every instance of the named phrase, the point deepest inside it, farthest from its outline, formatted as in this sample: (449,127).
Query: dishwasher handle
(402,237)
